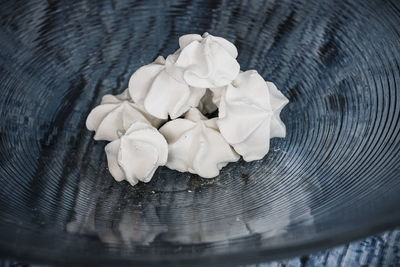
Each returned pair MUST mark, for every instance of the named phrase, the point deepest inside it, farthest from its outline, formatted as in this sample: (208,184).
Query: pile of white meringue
(159,119)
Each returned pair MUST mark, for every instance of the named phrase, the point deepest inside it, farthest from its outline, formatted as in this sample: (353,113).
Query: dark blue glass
(334,178)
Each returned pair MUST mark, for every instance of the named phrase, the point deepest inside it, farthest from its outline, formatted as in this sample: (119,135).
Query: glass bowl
(334,178)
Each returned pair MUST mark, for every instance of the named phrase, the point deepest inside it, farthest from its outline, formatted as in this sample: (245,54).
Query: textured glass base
(334,178)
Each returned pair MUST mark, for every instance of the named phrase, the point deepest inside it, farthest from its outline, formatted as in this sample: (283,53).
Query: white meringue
(202,73)
(156,86)
(137,154)
(207,61)
(115,115)
(195,145)
(217,93)
(249,115)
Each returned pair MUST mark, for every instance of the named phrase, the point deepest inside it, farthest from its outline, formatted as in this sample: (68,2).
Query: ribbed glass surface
(334,178)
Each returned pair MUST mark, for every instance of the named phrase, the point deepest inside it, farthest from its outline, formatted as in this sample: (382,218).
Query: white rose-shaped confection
(137,154)
(195,145)
(156,86)
(207,61)
(115,115)
(249,115)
